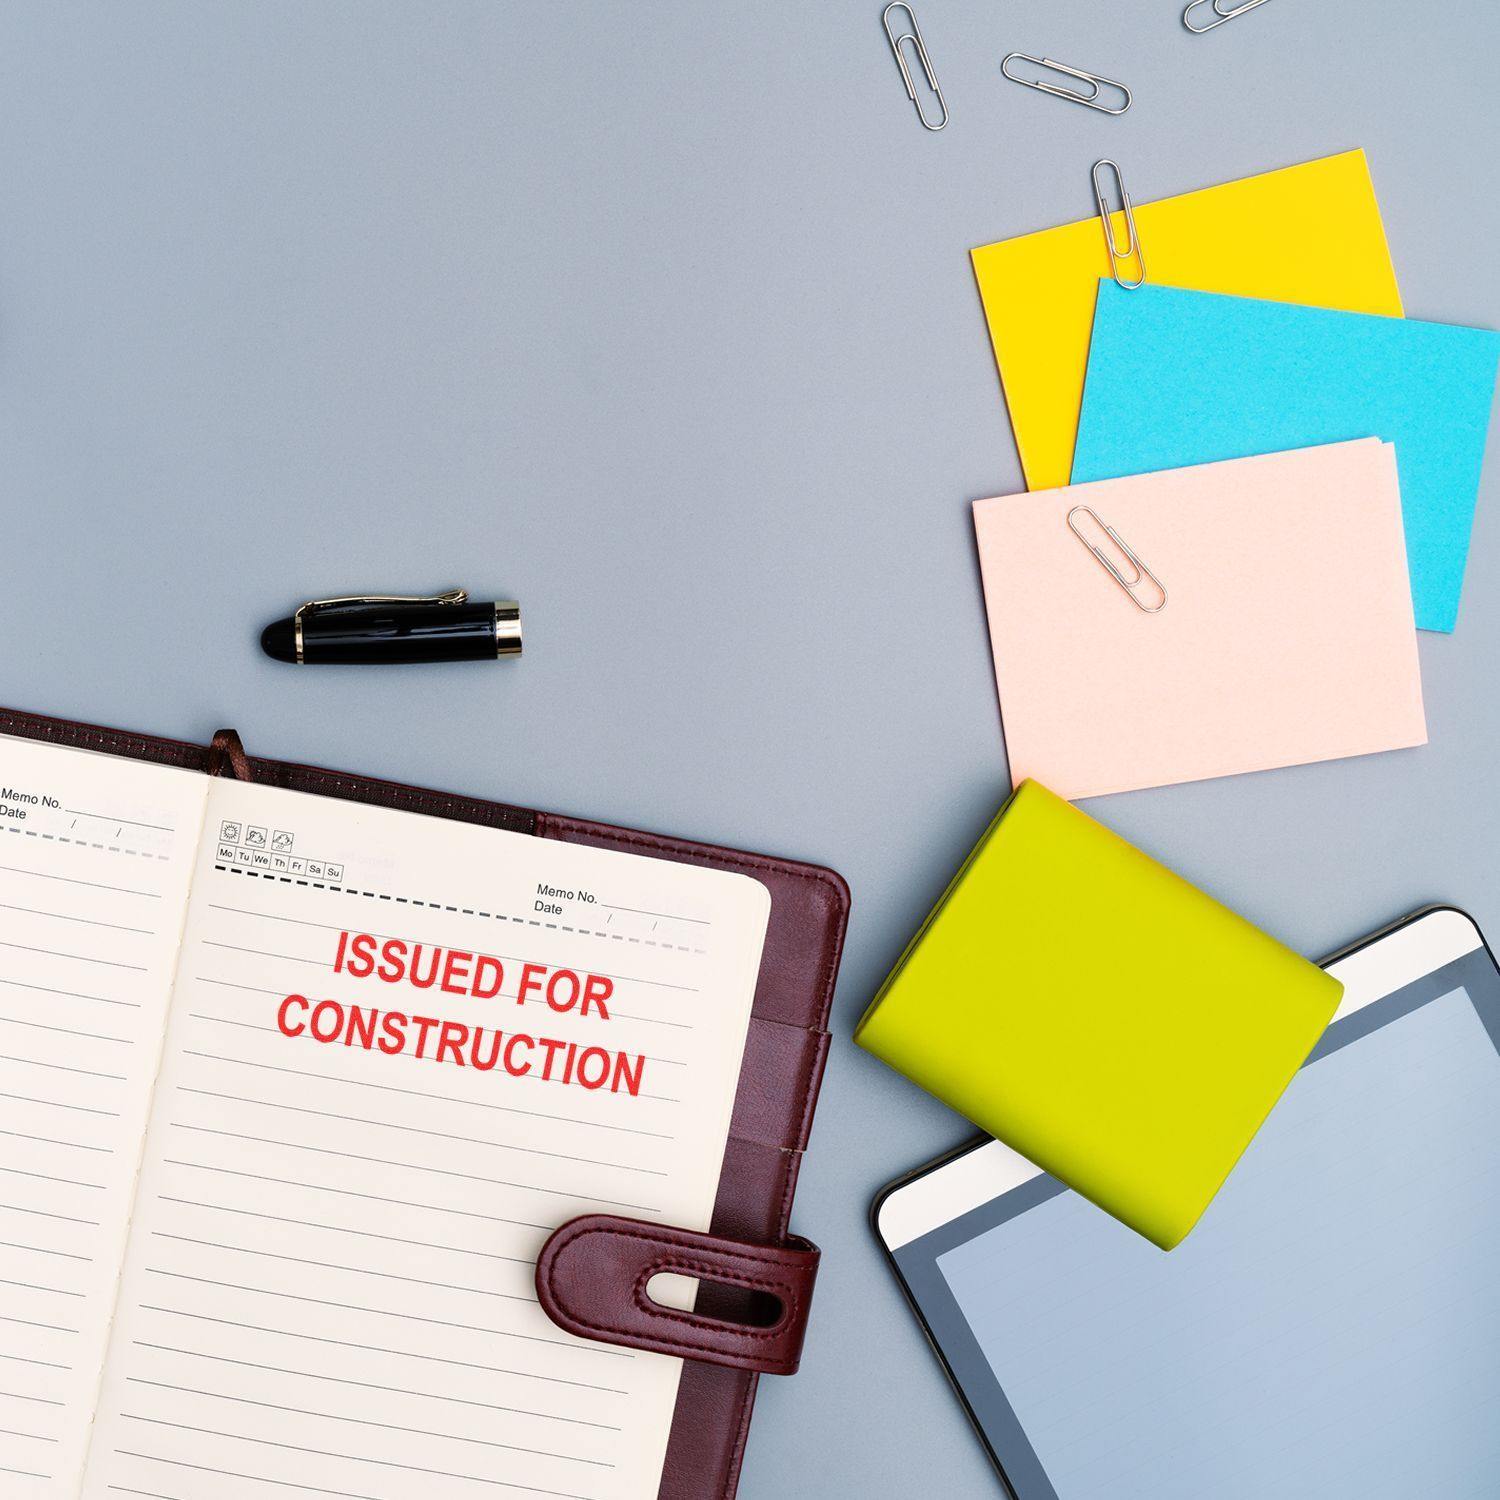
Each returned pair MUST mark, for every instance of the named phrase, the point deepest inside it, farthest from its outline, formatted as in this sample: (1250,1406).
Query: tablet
(1332,1326)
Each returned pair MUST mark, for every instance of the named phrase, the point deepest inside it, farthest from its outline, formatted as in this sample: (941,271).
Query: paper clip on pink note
(1142,573)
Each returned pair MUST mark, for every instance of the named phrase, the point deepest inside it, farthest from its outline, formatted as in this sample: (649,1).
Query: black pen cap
(388,629)
(279,641)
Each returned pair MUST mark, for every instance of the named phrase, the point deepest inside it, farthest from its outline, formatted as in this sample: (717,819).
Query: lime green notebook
(1111,1022)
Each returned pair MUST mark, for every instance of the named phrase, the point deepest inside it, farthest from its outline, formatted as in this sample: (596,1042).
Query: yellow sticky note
(1309,234)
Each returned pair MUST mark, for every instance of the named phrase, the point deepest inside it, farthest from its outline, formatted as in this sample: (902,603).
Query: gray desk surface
(660,317)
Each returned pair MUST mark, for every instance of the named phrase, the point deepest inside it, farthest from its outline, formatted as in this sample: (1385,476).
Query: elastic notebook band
(226,756)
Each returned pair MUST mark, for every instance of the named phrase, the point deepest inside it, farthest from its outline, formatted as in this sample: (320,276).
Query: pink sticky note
(1280,631)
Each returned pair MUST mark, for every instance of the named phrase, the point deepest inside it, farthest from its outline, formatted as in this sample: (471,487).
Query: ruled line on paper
(432,1359)
(291,958)
(32,1062)
(32,1323)
(329,1416)
(440,1135)
(671,1062)
(199,1015)
(326,1265)
(121,890)
(382,1161)
(666,916)
(43,989)
(577,1346)
(359,1458)
(396,1390)
(15,1208)
(311,1489)
(48,1177)
(44,1250)
(78,958)
(321,1187)
(83,1109)
(49,1140)
(32,1286)
(75,812)
(92,1036)
(389,1088)
(615,1013)
(63,916)
(366,1234)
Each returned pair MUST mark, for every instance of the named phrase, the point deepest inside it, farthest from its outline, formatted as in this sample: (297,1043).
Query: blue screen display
(1330,1329)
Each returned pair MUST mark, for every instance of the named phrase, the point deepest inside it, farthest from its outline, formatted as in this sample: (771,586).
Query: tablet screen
(1330,1328)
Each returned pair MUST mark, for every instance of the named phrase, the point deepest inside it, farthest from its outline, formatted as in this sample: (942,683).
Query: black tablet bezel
(927,1290)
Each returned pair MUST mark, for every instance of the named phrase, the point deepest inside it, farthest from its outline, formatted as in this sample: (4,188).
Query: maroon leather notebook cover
(784,1051)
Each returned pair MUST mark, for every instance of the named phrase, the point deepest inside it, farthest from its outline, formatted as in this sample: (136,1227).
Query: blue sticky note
(1178,378)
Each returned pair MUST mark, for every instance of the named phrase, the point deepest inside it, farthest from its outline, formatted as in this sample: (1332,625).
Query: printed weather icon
(255,836)
(281,841)
(229,832)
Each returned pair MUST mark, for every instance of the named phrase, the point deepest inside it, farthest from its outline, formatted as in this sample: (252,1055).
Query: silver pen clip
(449,596)
(1110,566)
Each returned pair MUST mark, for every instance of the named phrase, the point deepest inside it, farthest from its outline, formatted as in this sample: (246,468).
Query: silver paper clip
(913,34)
(1119,257)
(1089,97)
(1110,566)
(1220,15)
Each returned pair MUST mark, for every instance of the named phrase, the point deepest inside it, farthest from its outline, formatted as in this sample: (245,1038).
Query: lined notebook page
(95,858)
(329,1284)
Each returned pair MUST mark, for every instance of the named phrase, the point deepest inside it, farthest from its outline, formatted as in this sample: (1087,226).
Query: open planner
(294,1087)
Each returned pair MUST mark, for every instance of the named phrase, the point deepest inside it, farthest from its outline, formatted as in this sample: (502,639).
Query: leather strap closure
(592,1274)
(226,756)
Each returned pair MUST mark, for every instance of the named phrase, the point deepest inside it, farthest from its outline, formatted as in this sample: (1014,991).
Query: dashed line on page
(467,911)
(61,838)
